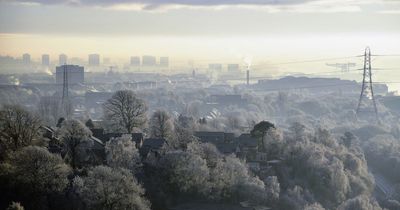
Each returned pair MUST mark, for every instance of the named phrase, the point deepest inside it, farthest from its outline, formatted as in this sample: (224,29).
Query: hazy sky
(271,30)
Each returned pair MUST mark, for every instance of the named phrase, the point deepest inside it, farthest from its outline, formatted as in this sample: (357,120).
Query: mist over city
(200,105)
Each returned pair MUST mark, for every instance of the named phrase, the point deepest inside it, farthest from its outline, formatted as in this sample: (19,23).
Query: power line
(387,82)
(309,87)
(312,61)
(393,55)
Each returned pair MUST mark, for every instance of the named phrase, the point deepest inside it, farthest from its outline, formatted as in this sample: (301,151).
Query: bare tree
(75,136)
(125,111)
(18,127)
(161,124)
(50,109)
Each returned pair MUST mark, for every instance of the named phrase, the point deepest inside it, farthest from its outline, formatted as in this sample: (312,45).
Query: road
(383,184)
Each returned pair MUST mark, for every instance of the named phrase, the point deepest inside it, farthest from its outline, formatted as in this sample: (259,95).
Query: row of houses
(244,146)
(146,146)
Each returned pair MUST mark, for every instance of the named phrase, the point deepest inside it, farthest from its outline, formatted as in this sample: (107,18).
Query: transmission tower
(367,93)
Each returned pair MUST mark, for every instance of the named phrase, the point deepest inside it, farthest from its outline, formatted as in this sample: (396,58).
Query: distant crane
(345,67)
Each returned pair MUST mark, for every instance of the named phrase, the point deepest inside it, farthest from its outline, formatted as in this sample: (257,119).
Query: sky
(204,30)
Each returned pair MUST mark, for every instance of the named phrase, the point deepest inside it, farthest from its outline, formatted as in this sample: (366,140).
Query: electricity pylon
(65,102)
(64,98)
(367,92)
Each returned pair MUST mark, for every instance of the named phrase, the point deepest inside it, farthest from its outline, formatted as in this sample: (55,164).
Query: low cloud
(306,6)
(166,2)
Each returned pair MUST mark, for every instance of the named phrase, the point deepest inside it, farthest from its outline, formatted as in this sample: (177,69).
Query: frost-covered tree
(297,131)
(121,152)
(314,206)
(273,143)
(18,128)
(33,174)
(39,170)
(185,172)
(202,172)
(161,125)
(207,151)
(361,202)
(184,128)
(75,138)
(111,189)
(232,181)
(125,111)
(330,172)
(15,206)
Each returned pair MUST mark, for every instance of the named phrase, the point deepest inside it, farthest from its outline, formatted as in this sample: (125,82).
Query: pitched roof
(154,143)
(246,140)
(214,137)
(151,144)
(96,140)
(227,148)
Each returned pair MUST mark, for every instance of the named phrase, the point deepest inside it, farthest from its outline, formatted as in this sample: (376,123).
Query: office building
(215,67)
(62,59)
(94,60)
(135,61)
(45,60)
(26,59)
(75,74)
(106,61)
(164,61)
(233,68)
(148,60)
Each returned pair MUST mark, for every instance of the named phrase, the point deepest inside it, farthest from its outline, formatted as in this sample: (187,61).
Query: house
(104,137)
(48,133)
(152,146)
(248,146)
(228,100)
(55,145)
(214,137)
(225,142)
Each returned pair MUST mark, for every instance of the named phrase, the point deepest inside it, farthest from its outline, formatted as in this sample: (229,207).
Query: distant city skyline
(255,32)
(279,29)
